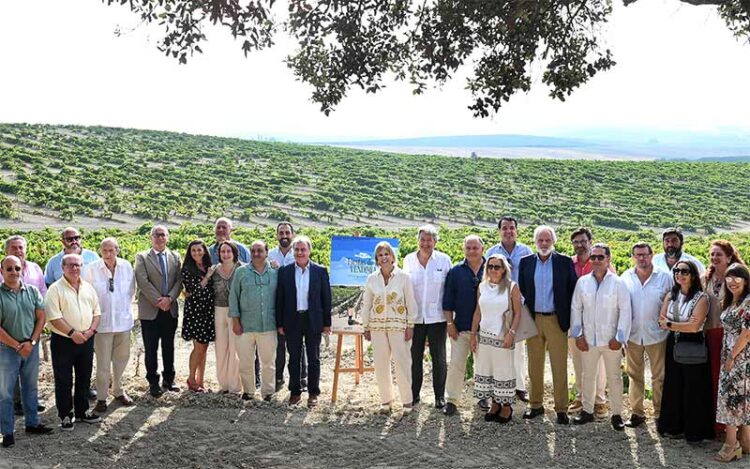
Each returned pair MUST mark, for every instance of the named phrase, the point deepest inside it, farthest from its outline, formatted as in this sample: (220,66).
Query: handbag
(526,326)
(689,352)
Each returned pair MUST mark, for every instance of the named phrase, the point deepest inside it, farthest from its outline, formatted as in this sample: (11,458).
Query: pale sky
(679,69)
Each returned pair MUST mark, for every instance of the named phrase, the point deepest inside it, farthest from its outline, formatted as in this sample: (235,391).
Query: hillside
(63,173)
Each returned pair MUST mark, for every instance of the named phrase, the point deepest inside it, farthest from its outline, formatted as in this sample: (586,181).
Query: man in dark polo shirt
(459,302)
(21,324)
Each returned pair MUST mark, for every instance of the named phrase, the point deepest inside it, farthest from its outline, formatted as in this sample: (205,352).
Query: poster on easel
(352,260)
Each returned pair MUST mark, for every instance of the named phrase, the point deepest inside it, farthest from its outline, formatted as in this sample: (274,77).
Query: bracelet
(450,323)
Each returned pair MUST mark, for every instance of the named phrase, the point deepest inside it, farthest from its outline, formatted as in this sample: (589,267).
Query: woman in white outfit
(496,318)
(389,310)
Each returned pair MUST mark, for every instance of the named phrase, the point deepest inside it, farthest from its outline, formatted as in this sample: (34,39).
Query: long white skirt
(494,371)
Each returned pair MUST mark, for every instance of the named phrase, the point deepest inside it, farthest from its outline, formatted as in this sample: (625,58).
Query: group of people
(509,306)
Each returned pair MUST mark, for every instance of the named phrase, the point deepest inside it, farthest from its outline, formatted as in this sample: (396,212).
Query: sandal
(501,419)
(729,453)
(492,416)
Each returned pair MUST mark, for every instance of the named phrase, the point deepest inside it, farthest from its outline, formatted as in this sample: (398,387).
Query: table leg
(336,368)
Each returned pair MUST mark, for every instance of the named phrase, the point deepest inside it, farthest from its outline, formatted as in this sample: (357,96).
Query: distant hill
(97,176)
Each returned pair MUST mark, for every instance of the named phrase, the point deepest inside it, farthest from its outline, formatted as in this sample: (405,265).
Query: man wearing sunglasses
(21,324)
(31,274)
(71,241)
(547,280)
(600,322)
(252,305)
(459,303)
(112,278)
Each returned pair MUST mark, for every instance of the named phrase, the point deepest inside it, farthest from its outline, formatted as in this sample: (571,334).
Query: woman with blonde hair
(389,310)
(721,254)
(493,331)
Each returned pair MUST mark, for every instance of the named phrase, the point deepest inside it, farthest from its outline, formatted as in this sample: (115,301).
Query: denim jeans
(12,368)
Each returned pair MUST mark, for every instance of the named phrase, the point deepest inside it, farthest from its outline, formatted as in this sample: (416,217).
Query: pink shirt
(33,275)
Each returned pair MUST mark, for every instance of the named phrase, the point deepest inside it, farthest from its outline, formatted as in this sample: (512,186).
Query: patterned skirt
(494,373)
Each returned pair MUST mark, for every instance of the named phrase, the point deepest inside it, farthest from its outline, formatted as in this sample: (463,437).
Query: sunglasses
(70,239)
(112,284)
(597,257)
(734,279)
(13,269)
(495,267)
(681,271)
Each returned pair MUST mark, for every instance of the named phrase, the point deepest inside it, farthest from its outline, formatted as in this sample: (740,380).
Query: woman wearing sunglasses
(685,410)
(493,329)
(733,406)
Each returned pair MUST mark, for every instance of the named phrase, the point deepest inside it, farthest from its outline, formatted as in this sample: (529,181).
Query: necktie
(163,267)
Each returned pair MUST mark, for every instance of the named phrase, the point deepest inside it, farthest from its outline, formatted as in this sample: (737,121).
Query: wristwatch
(512,331)
(669,323)
(33,342)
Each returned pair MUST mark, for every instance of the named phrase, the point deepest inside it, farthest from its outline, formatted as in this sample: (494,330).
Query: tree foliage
(359,43)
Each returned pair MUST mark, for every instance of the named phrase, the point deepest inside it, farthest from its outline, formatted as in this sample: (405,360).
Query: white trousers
(227,363)
(112,355)
(612,362)
(460,350)
(265,343)
(387,346)
(601,376)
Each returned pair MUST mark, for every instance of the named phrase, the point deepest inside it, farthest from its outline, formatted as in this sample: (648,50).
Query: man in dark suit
(303,314)
(547,280)
(157,275)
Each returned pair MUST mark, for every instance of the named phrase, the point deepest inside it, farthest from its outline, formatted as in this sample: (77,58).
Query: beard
(284,242)
(544,252)
(673,252)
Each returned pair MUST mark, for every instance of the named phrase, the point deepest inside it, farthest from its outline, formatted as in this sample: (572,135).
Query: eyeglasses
(112,284)
(579,242)
(495,267)
(642,256)
(597,257)
(73,266)
(681,271)
(13,269)
(70,239)
(734,279)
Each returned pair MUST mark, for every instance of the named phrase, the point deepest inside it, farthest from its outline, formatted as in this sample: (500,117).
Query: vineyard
(109,174)
(43,244)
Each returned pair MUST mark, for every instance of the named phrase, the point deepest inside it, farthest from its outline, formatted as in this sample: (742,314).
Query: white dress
(494,373)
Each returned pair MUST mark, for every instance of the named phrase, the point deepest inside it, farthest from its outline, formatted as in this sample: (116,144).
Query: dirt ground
(188,430)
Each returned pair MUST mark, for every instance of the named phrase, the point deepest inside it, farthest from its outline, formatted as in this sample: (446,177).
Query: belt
(545,313)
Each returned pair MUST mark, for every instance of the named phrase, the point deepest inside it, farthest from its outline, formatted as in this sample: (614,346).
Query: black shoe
(170,387)
(155,391)
(92,394)
(484,404)
(40,408)
(246,397)
(533,413)
(450,409)
(635,421)
(8,441)
(67,424)
(501,419)
(617,423)
(439,402)
(268,398)
(40,429)
(18,409)
(583,417)
(562,418)
(89,417)
(279,385)
(522,396)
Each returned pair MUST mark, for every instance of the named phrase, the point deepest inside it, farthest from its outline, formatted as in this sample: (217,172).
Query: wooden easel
(359,360)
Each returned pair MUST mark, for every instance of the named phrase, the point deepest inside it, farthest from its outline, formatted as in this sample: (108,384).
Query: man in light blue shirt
(513,251)
(71,241)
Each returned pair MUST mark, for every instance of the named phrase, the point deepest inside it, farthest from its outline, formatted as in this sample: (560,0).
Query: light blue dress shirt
(519,250)
(544,299)
(54,271)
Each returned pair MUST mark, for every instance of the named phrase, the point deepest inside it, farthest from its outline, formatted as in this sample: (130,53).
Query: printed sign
(353,259)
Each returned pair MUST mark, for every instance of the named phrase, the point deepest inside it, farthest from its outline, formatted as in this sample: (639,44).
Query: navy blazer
(563,284)
(318,300)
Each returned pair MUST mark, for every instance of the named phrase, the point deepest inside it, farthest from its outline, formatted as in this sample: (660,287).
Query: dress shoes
(617,424)
(101,406)
(522,396)
(40,429)
(583,417)
(500,419)
(533,413)
(247,396)
(8,440)
(312,401)
(294,399)
(92,394)
(170,387)
(155,391)
(600,410)
(562,418)
(439,402)
(450,409)
(635,421)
